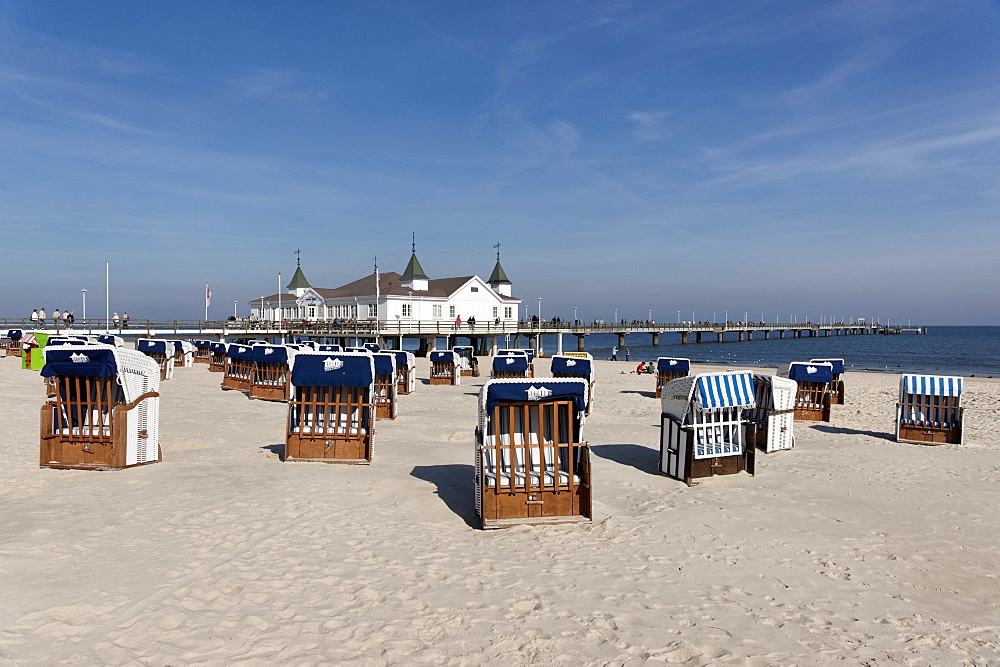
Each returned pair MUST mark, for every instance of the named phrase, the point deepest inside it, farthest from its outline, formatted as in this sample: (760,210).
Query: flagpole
(206,302)
(107,299)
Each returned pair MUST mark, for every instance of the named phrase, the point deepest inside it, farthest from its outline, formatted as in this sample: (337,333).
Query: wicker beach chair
(770,423)
(815,386)
(445,368)
(239,367)
(269,377)
(385,385)
(670,368)
(331,413)
(532,464)
(566,366)
(161,352)
(406,378)
(467,359)
(514,366)
(202,351)
(12,344)
(104,411)
(217,360)
(929,411)
(837,388)
(702,426)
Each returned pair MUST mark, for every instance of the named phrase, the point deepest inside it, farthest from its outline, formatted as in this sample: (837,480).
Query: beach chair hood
(99,362)
(931,385)
(404,359)
(554,389)
(572,366)
(14,334)
(272,354)
(443,356)
(708,391)
(810,372)
(384,363)
(147,345)
(336,369)
(838,364)
(510,363)
(673,365)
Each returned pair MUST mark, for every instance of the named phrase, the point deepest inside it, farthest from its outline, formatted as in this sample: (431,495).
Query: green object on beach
(33,358)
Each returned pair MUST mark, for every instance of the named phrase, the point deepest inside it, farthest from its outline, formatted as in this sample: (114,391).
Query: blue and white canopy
(511,364)
(65,340)
(443,356)
(372,347)
(673,365)
(385,363)
(724,390)
(932,385)
(107,339)
(536,390)
(244,352)
(464,350)
(329,348)
(801,371)
(357,349)
(402,358)
(149,345)
(218,348)
(91,362)
(531,353)
(838,364)
(509,352)
(271,354)
(202,344)
(337,369)
(14,333)
(571,366)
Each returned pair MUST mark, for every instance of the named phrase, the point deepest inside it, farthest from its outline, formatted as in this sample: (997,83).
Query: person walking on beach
(614,354)
(626,354)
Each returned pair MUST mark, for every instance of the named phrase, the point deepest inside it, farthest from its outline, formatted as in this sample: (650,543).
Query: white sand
(849,547)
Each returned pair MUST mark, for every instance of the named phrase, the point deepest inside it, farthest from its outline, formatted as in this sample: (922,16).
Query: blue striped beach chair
(702,426)
(331,413)
(532,464)
(670,368)
(929,411)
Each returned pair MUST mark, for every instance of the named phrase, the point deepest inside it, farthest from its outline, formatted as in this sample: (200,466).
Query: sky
(786,159)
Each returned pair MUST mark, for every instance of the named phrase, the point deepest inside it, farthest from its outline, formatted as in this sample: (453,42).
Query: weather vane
(413,246)
(298,257)
(497,246)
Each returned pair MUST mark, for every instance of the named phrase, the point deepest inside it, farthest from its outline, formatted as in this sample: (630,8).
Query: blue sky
(834,158)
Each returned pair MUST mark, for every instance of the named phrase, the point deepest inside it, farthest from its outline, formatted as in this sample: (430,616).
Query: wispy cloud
(282,85)
(648,124)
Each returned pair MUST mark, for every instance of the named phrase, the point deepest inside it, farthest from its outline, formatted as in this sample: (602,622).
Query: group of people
(67,316)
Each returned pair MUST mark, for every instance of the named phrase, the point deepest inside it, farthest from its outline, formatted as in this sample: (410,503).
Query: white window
(373,310)
(436,311)
(495,312)
(451,311)
(407,310)
(312,311)
(507,312)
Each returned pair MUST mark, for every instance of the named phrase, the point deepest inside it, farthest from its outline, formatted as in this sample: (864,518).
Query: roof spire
(413,245)
(499,276)
(497,246)
(298,257)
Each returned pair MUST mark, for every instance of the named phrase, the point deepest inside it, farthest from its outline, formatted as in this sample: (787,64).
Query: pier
(484,336)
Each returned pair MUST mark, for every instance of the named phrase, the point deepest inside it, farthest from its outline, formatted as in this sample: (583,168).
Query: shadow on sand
(455,486)
(639,457)
(836,430)
(278,449)
(647,394)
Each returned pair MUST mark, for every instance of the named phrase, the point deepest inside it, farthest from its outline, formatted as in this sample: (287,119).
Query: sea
(943,350)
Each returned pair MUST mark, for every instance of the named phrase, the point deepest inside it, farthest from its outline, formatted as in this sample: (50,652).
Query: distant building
(391,297)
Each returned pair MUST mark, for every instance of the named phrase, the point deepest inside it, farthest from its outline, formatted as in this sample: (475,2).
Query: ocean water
(943,350)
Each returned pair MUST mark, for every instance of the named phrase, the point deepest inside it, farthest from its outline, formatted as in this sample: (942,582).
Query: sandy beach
(851,547)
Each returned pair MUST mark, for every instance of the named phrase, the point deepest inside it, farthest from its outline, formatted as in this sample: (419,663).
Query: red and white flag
(208,296)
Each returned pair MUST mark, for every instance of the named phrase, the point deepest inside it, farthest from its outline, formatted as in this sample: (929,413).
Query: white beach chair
(183,353)
(929,411)
(468,363)
(702,426)
(104,410)
(670,368)
(331,413)
(406,378)
(532,464)
(445,368)
(770,424)
(385,385)
(161,352)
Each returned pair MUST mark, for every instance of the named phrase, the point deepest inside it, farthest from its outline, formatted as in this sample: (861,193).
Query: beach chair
(331,412)
(815,385)
(104,412)
(112,340)
(702,426)
(183,354)
(202,352)
(566,366)
(469,364)
(12,345)
(770,422)
(929,411)
(532,464)
(385,385)
(358,350)
(837,388)
(670,368)
(217,360)
(406,377)
(445,368)
(514,366)
(372,347)
(239,367)
(68,340)
(329,348)
(158,351)
(271,369)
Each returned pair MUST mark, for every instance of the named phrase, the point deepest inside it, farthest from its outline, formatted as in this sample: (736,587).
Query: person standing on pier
(34,315)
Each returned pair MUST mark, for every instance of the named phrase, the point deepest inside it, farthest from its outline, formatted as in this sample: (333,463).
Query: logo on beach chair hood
(78,358)
(811,369)
(268,350)
(330,364)
(672,362)
(538,393)
(509,360)
(570,362)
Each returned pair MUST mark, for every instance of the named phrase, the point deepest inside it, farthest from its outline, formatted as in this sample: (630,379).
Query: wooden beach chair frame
(271,371)
(104,411)
(333,422)
(929,411)
(532,464)
(837,388)
(771,422)
(665,371)
(239,367)
(577,365)
(813,395)
(385,388)
(445,368)
(406,377)
(511,366)
(160,351)
(702,426)
(12,346)
(469,364)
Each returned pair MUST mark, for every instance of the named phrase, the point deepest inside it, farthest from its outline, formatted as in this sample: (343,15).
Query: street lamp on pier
(574,314)
(84,293)
(234,308)
(539,311)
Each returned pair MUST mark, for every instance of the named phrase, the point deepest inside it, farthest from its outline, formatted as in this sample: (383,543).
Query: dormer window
(475,289)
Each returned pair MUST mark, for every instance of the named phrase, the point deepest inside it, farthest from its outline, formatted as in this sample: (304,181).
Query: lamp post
(539,312)
(234,309)
(574,315)
(107,299)
(678,317)
(713,316)
(650,316)
(84,293)
(616,316)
